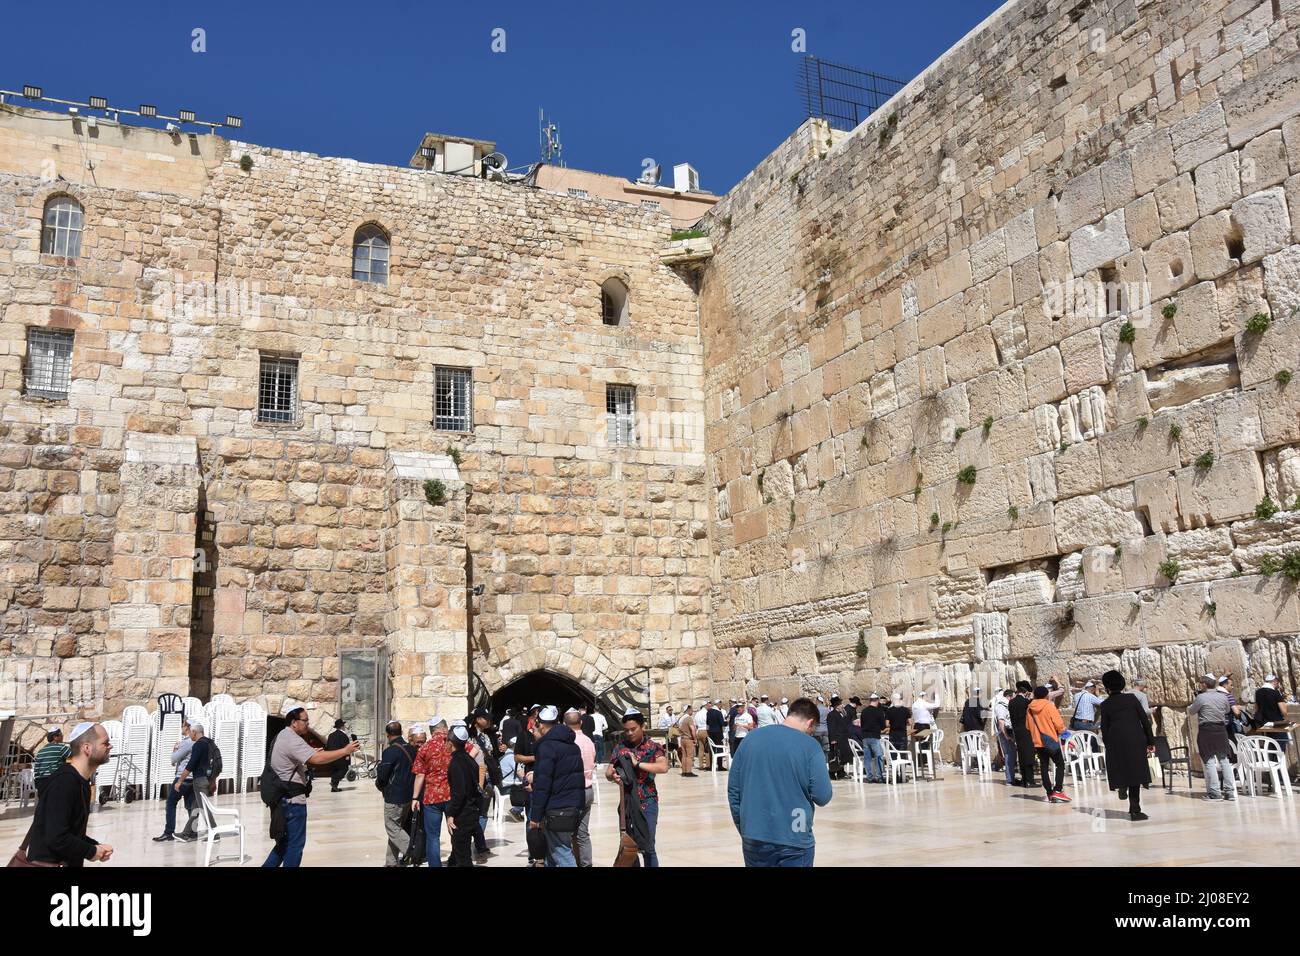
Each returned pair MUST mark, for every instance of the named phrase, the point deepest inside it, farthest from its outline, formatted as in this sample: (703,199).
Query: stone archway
(541,687)
(590,669)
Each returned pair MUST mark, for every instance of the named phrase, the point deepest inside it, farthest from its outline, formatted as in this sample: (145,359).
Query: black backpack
(214,762)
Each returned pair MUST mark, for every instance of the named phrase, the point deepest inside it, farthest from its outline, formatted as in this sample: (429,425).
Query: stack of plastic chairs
(137,728)
(107,772)
(166,729)
(193,708)
(221,723)
(252,744)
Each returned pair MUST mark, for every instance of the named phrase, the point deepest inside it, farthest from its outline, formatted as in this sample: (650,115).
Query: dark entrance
(540,687)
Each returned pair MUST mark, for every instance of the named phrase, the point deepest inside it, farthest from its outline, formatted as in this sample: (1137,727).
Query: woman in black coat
(1126,733)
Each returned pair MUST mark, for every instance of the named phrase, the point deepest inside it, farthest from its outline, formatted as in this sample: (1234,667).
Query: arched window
(370,255)
(61,227)
(613,302)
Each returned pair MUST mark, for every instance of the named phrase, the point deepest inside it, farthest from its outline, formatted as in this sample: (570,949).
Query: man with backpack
(202,771)
(393,778)
(285,786)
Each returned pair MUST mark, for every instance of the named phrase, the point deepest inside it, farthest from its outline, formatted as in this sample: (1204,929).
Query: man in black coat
(1019,709)
(394,779)
(337,740)
(1126,734)
(58,833)
(837,731)
(715,722)
(559,788)
(462,811)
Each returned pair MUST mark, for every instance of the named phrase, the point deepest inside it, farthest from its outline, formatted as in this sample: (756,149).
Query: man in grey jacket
(1211,709)
(180,758)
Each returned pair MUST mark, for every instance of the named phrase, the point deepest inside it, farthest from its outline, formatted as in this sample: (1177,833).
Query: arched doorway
(540,687)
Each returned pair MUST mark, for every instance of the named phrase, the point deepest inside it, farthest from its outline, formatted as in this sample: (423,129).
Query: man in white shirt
(766,714)
(1006,733)
(599,739)
(1085,709)
(783,710)
(742,724)
(702,736)
(923,717)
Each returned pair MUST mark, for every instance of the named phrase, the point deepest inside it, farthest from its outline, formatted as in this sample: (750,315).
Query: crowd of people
(444,774)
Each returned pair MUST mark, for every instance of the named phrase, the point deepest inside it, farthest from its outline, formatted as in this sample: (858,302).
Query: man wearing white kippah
(58,833)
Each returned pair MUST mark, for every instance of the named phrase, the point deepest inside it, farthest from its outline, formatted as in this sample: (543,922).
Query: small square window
(453,399)
(277,390)
(620,411)
(578,193)
(49,363)
(651,204)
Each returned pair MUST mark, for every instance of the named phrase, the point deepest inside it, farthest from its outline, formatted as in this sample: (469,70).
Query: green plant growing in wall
(1211,608)
(865,443)
(1067,619)
(1258,323)
(1013,512)
(246,163)
(967,475)
(1265,509)
(1119,552)
(1205,460)
(1283,378)
(934,518)
(792,512)
(1268,566)
(1291,566)
(947,526)
(1169,570)
(956,436)
(454,454)
(1128,333)
(861,648)
(1175,432)
(988,425)
(435,492)
(1170,311)
(760,482)
(1064,445)
(1143,421)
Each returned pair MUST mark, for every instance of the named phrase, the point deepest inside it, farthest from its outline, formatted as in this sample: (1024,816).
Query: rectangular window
(49,363)
(578,193)
(277,390)
(651,203)
(620,409)
(453,399)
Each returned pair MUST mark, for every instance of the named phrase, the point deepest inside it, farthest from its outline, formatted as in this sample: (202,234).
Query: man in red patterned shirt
(649,758)
(430,769)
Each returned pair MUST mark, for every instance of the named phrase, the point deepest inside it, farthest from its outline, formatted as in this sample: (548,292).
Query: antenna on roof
(548,136)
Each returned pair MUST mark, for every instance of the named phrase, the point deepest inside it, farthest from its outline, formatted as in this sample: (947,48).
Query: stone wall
(939,454)
(594,557)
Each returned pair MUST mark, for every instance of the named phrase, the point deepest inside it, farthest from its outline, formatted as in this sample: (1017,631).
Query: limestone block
(1130,399)
(1180,386)
(1094,519)
(1106,623)
(1083,416)
(1069,577)
(1096,245)
(1181,667)
(1041,473)
(1282,475)
(1078,470)
(988,256)
(1227,490)
(1153,162)
(1260,540)
(1200,137)
(1209,237)
(1082,201)
(1084,360)
(1282,281)
(1266,656)
(1176,203)
(1131,451)
(1203,554)
(1101,571)
(1169,265)
(1255,606)
(1044,377)
(1021,237)
(1142,216)
(992,637)
(1218,183)
(1264,102)
(1177,614)
(1265,223)
(1021,589)
(1040,631)
(1264,162)
(1237,425)
(1117,181)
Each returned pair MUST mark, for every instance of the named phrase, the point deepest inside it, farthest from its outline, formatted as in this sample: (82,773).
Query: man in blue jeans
(872,724)
(290,757)
(778,777)
(432,788)
(648,758)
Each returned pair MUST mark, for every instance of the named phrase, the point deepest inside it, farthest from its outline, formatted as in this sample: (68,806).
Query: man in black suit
(337,740)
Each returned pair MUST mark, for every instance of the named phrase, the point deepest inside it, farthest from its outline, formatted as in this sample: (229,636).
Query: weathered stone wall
(594,558)
(889,309)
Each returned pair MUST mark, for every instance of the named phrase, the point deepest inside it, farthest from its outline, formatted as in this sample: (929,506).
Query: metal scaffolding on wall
(842,95)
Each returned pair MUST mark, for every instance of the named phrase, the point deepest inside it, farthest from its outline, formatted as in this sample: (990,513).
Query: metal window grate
(370,255)
(277,390)
(651,204)
(61,228)
(49,363)
(453,399)
(577,193)
(620,409)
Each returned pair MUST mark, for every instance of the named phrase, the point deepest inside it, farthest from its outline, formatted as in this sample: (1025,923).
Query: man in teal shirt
(776,779)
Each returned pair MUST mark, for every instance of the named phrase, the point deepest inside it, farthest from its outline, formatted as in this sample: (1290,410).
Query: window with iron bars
(577,193)
(49,363)
(277,390)
(61,228)
(453,399)
(620,410)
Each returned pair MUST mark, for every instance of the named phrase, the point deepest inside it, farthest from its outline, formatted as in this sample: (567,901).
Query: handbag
(1050,744)
(20,857)
(1153,766)
(563,820)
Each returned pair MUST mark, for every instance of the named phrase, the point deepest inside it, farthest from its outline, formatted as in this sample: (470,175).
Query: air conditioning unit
(685,178)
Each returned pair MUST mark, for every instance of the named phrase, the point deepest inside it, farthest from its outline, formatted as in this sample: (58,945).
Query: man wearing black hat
(337,740)
(1018,708)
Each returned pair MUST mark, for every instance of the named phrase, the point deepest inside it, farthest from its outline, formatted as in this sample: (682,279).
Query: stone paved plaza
(954,821)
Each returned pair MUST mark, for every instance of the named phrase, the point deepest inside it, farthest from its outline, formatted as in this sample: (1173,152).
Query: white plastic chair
(974,749)
(857,768)
(216,829)
(719,753)
(897,762)
(252,744)
(1084,755)
(1245,780)
(1266,756)
(928,749)
(166,731)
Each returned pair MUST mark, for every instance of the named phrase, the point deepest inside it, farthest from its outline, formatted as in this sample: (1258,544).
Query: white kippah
(460,733)
(418,729)
(81,728)
(549,714)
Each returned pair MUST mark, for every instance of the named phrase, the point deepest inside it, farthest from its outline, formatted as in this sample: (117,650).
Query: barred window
(370,255)
(49,363)
(613,302)
(453,399)
(620,409)
(61,227)
(651,204)
(277,390)
(577,193)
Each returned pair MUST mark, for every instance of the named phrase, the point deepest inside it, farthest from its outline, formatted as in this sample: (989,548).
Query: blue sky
(712,83)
